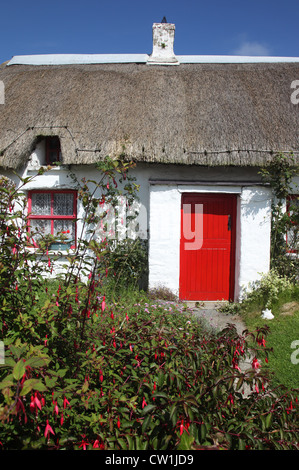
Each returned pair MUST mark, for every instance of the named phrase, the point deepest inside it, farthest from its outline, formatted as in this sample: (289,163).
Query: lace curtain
(41,204)
(63,204)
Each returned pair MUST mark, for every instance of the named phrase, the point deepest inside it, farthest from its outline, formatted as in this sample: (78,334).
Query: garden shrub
(84,370)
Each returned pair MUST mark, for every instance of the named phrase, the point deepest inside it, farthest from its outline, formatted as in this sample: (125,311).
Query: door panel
(207,251)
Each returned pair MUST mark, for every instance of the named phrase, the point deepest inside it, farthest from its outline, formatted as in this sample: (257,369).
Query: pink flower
(262,341)
(56,409)
(65,402)
(84,443)
(255,364)
(35,403)
(182,427)
(103,304)
(48,429)
(143,403)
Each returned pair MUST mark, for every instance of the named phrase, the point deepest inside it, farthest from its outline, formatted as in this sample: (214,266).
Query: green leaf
(122,443)
(7,382)
(148,408)
(19,369)
(160,379)
(32,384)
(186,441)
(36,362)
(145,423)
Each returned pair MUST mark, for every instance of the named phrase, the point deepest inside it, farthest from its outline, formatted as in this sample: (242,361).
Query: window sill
(35,169)
(37,251)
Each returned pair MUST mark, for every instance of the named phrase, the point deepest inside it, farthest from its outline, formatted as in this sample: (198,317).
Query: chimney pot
(163,39)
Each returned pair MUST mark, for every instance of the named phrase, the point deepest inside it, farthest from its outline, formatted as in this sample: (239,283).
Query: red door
(207,246)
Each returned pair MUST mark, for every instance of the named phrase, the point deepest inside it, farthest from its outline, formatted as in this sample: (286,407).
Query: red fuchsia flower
(127,318)
(35,403)
(261,341)
(112,315)
(103,304)
(84,443)
(182,427)
(61,419)
(96,444)
(65,402)
(290,408)
(56,409)
(143,403)
(256,388)
(118,422)
(235,364)
(255,364)
(101,376)
(48,430)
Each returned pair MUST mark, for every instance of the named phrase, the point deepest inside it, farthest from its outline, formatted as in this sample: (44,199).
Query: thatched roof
(197,113)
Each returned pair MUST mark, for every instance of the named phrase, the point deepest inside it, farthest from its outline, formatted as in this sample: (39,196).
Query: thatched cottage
(199,128)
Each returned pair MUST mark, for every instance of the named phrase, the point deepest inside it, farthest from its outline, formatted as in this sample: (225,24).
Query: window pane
(67,229)
(41,204)
(293,233)
(42,227)
(63,204)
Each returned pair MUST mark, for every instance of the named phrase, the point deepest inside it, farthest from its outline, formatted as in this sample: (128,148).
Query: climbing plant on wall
(280,175)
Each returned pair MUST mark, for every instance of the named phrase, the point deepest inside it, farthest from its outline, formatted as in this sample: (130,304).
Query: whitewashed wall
(253,233)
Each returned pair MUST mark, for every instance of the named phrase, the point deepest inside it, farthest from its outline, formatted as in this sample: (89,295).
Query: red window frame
(53,217)
(50,150)
(289,199)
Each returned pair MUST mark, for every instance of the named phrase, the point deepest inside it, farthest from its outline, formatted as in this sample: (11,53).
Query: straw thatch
(204,114)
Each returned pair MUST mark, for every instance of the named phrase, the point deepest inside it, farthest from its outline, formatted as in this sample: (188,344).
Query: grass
(284,331)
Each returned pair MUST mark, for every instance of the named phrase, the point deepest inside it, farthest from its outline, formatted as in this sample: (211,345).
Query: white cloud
(251,48)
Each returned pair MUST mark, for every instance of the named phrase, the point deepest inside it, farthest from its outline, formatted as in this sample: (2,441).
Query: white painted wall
(253,233)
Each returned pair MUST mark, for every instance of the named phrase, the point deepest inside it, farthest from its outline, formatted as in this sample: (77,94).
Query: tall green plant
(280,175)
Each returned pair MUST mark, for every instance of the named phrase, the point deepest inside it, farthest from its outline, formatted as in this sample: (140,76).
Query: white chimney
(163,39)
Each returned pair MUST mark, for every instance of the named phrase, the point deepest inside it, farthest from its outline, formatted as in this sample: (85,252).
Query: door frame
(233,196)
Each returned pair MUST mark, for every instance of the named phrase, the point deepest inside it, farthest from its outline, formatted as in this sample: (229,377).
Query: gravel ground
(219,320)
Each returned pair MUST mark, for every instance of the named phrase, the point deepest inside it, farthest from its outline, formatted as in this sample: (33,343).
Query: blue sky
(252,27)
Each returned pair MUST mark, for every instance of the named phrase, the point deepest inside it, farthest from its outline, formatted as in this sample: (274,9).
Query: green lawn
(284,331)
